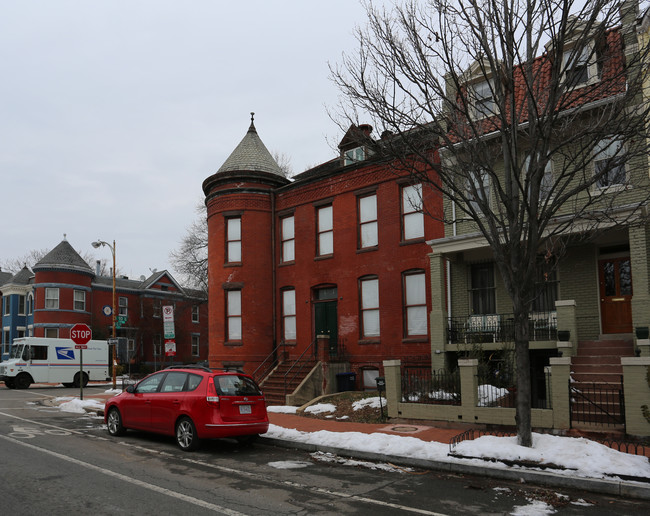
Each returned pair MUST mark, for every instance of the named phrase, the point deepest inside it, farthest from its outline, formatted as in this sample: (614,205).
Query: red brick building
(64,290)
(339,250)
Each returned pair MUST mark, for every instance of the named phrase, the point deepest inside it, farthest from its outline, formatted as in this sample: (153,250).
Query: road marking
(130,480)
(225,469)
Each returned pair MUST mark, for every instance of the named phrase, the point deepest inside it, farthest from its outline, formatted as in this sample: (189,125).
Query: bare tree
(531,114)
(14,265)
(191,258)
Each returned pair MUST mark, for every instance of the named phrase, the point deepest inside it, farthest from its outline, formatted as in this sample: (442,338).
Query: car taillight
(211,396)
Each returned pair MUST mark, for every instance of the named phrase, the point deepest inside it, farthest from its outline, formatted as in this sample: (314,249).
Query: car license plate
(244,409)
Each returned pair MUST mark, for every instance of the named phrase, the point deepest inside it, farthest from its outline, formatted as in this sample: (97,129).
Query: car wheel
(186,434)
(114,422)
(10,384)
(23,381)
(75,382)
(247,439)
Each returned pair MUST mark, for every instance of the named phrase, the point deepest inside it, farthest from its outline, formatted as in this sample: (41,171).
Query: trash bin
(346,382)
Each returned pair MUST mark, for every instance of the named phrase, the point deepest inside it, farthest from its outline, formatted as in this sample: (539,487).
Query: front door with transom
(325,316)
(615,276)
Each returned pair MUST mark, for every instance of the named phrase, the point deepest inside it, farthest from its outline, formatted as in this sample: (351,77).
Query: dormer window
(354,155)
(576,62)
(483,100)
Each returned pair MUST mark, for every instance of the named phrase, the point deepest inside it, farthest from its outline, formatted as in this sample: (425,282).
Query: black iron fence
(480,329)
(421,385)
(594,403)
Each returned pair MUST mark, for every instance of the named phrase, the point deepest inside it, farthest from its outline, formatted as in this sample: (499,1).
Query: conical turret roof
(251,155)
(63,256)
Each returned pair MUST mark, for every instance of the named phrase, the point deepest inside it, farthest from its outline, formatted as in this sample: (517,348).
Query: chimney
(98,267)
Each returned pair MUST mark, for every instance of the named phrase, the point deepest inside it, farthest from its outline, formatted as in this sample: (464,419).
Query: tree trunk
(522,357)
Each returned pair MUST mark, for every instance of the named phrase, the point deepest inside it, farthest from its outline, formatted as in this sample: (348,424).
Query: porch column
(468,388)
(560,371)
(438,316)
(637,395)
(566,320)
(393,376)
(639,249)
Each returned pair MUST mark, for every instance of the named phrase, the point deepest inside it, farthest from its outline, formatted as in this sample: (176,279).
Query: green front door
(325,317)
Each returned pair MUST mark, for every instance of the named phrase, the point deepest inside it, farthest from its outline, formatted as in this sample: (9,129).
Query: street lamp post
(96,245)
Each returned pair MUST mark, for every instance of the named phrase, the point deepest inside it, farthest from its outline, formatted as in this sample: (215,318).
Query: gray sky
(113,112)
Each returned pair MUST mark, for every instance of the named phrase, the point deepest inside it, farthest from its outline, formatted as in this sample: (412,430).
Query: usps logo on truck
(64,353)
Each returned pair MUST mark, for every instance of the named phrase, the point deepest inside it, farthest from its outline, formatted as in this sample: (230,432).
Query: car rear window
(235,385)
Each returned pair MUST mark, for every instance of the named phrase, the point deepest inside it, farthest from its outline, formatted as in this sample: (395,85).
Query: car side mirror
(130,389)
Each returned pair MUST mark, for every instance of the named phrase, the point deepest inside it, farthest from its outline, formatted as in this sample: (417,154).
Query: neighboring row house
(63,290)
(338,251)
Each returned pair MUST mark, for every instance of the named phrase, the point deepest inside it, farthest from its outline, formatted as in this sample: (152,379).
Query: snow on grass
(374,402)
(321,408)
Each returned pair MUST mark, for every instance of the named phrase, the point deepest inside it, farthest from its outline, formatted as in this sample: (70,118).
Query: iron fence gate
(597,404)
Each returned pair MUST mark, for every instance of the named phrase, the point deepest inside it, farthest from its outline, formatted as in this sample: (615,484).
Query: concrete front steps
(596,388)
(283,380)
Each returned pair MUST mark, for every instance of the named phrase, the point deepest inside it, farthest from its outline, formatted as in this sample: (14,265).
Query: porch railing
(484,328)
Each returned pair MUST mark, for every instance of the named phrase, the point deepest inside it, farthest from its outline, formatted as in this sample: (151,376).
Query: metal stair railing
(301,362)
(268,364)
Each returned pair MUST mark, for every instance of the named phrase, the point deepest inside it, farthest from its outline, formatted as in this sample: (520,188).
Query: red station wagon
(190,403)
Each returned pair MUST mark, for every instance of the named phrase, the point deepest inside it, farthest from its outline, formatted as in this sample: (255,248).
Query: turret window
(52,298)
(233,240)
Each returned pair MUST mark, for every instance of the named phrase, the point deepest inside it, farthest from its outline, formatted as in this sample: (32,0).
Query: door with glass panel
(615,276)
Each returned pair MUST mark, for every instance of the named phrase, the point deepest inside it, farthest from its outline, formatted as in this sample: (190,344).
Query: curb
(543,478)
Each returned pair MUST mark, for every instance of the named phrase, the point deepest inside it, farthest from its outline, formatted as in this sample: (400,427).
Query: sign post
(168,330)
(80,335)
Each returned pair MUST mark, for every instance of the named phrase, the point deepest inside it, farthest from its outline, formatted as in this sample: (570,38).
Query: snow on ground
(320,408)
(584,458)
(77,406)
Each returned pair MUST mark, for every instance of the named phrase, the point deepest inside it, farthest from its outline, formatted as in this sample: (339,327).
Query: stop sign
(80,333)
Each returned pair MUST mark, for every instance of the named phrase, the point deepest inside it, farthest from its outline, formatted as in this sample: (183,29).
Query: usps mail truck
(39,360)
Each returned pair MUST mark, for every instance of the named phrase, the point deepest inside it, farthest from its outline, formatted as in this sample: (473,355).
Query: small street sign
(170,348)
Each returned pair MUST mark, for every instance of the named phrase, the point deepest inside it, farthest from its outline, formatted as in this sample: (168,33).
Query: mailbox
(381,383)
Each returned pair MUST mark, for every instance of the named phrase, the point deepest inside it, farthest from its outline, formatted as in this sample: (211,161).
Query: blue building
(17,308)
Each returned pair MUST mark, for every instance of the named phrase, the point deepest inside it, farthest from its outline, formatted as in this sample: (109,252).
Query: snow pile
(368,402)
(488,394)
(78,406)
(320,408)
(282,409)
(580,456)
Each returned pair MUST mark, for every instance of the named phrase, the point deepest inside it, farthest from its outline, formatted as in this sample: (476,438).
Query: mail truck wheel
(23,381)
(10,384)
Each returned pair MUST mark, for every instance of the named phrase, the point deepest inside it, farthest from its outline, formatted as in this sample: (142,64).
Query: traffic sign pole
(80,335)
(81,374)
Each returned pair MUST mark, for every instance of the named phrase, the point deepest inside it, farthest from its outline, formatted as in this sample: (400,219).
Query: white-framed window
(51,333)
(325,216)
(546,185)
(368,228)
(289,314)
(30,304)
(233,240)
(157,308)
(478,189)
(195,313)
(609,163)
(130,348)
(412,216)
(369,289)
(80,300)
(5,340)
(22,308)
(196,345)
(123,306)
(233,315)
(354,155)
(415,304)
(288,239)
(7,305)
(483,99)
(52,298)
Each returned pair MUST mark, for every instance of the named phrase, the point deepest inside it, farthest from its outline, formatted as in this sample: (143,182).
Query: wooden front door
(615,276)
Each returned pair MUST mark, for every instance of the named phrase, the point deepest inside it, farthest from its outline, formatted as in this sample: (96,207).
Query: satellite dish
(142,278)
